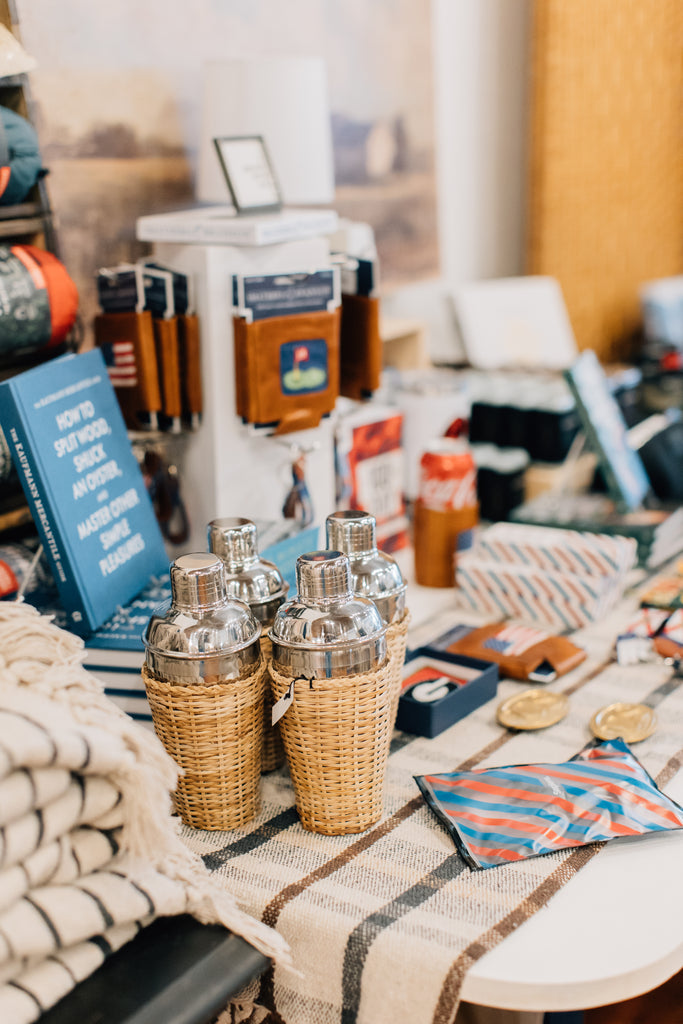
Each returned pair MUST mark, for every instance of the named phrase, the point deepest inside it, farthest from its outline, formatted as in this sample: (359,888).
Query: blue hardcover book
(123,631)
(83,484)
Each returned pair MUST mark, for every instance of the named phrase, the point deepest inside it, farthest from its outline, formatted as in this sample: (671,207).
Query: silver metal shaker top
(202,631)
(248,577)
(374,574)
(327,631)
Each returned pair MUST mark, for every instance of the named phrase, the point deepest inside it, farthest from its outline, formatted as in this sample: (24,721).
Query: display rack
(30,222)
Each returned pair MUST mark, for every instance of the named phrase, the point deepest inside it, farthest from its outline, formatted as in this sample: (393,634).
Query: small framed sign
(249,174)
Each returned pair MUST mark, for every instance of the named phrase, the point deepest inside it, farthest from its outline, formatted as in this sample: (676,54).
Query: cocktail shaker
(201,635)
(327,632)
(374,574)
(204,681)
(259,584)
(333,688)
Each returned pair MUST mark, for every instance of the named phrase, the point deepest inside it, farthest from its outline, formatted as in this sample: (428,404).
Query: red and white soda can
(448,476)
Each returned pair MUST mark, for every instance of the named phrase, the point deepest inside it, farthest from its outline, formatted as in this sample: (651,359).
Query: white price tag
(283,704)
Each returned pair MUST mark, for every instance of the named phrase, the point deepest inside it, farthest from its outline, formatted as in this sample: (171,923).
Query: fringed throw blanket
(89,850)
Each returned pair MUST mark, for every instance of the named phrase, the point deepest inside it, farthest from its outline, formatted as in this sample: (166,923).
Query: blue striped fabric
(500,815)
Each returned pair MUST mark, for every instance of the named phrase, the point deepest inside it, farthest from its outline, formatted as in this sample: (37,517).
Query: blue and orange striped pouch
(501,815)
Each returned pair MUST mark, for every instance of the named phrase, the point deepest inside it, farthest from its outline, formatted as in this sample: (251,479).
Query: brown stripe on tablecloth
(672,766)
(449,997)
(278,903)
(366,931)
(290,892)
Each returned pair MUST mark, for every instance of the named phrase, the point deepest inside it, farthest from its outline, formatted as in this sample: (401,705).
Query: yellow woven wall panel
(606,158)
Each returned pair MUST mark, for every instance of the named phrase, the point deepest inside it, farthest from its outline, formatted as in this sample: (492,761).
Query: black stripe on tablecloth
(263,834)
(275,907)
(364,934)
(663,691)
(362,937)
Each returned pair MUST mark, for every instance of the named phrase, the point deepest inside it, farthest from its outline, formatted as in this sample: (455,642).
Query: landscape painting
(117,96)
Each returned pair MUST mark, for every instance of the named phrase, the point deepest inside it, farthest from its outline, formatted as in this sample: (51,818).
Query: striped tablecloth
(384,926)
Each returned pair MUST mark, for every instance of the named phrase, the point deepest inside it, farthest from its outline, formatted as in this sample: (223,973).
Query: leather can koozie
(287,369)
(360,346)
(168,360)
(127,343)
(437,536)
(190,366)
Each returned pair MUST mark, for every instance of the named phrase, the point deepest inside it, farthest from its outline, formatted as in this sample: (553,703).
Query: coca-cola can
(448,476)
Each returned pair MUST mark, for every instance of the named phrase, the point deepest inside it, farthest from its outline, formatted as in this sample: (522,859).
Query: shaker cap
(325,613)
(374,573)
(351,532)
(248,577)
(234,540)
(197,581)
(200,620)
(323,576)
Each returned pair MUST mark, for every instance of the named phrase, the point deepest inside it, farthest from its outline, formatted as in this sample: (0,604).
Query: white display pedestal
(224,469)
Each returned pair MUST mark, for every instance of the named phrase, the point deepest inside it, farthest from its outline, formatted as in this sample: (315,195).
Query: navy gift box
(425,717)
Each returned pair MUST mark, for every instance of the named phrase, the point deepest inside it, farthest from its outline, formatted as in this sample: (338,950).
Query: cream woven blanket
(385,925)
(89,850)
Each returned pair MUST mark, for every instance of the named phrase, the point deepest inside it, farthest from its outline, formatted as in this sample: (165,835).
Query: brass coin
(532,709)
(633,722)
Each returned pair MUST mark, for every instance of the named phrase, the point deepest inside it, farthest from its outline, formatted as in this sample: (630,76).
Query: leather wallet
(521,652)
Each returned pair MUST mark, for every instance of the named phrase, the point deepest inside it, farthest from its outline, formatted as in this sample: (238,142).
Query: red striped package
(502,815)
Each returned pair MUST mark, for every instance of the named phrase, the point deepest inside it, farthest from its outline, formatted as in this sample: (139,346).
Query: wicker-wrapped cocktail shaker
(331,679)
(204,680)
(259,584)
(376,575)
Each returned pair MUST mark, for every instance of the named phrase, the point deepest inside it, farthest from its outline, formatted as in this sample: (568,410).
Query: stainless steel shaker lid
(325,613)
(200,620)
(374,574)
(248,577)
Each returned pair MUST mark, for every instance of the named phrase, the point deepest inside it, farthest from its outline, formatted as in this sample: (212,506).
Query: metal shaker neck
(197,582)
(234,541)
(248,577)
(354,533)
(323,577)
(374,574)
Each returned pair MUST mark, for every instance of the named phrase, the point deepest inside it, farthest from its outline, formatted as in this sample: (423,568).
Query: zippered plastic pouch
(502,815)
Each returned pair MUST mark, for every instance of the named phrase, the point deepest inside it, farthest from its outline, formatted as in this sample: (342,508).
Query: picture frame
(625,475)
(249,174)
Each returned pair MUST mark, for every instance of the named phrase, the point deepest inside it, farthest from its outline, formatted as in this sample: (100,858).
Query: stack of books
(115,654)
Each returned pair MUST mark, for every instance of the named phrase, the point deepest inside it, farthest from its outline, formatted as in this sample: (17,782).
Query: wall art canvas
(117,92)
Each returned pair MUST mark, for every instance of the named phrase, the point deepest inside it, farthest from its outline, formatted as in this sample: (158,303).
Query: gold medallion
(532,709)
(632,722)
